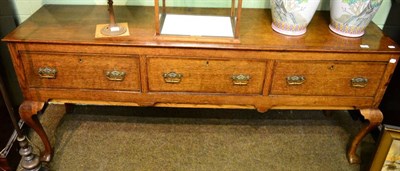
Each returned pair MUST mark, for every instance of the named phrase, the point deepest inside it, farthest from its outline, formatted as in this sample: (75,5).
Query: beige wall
(25,8)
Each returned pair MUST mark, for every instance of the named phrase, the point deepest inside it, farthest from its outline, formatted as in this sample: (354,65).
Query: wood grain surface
(61,37)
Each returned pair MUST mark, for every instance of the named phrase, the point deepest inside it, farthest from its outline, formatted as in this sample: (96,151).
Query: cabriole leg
(375,117)
(28,111)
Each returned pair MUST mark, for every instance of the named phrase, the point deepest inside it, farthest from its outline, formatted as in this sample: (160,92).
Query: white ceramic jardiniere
(350,17)
(291,17)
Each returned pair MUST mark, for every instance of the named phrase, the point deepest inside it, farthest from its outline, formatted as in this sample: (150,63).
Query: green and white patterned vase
(291,17)
(350,17)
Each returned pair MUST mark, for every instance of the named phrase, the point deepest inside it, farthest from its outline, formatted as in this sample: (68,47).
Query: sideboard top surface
(76,24)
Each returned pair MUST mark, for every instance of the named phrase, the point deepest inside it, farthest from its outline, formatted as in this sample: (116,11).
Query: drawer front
(75,71)
(203,75)
(327,78)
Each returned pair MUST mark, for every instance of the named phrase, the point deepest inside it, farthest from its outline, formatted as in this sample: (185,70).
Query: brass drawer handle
(240,79)
(359,82)
(295,79)
(172,77)
(115,75)
(47,72)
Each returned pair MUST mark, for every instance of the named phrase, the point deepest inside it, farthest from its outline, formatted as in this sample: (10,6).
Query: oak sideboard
(58,59)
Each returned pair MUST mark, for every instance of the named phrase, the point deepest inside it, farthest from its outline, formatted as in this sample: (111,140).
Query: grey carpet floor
(132,138)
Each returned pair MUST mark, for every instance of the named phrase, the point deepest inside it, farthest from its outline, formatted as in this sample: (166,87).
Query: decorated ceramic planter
(350,17)
(291,17)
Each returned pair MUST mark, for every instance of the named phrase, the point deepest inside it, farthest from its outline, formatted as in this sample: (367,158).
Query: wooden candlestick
(112,29)
(30,161)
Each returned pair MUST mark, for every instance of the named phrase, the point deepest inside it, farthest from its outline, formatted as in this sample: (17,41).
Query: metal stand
(113,29)
(29,161)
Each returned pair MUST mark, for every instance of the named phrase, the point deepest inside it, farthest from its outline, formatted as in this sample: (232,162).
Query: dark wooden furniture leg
(69,107)
(327,113)
(28,111)
(375,117)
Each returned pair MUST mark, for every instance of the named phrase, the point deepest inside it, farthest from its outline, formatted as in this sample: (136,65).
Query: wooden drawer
(76,71)
(327,78)
(203,75)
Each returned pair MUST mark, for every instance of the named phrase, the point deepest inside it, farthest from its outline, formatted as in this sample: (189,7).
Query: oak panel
(75,24)
(206,75)
(80,71)
(327,78)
